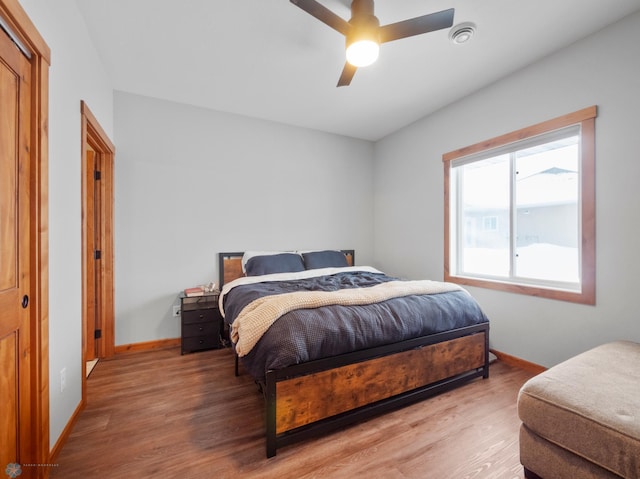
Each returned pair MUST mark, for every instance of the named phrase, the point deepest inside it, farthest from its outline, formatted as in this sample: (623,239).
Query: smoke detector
(462,33)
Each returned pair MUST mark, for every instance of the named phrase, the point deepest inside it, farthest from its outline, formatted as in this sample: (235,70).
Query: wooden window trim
(586,119)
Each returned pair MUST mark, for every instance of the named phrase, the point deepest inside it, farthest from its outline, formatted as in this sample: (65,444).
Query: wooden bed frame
(312,398)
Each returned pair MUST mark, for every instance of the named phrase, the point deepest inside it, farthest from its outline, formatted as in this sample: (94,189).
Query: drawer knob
(200,328)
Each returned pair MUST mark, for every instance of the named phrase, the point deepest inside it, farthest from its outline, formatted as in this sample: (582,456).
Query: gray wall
(602,69)
(190,183)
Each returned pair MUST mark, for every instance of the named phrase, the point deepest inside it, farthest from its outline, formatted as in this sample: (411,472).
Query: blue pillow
(274,263)
(324,259)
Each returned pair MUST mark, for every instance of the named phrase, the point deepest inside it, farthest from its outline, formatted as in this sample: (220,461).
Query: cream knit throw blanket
(257,316)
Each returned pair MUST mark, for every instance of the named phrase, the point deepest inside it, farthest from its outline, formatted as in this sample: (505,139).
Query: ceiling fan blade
(347,74)
(416,26)
(323,14)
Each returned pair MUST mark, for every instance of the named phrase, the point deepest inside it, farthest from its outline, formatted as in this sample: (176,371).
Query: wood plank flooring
(162,415)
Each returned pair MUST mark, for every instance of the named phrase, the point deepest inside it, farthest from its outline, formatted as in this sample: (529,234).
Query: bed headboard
(230,265)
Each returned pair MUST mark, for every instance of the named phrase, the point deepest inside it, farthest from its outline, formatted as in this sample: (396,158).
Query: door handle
(25,301)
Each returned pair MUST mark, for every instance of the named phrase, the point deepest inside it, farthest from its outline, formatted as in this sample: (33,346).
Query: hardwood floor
(162,415)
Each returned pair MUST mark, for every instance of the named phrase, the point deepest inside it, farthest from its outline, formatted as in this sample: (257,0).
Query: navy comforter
(307,334)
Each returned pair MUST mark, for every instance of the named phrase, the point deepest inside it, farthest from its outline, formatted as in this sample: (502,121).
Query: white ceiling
(269,59)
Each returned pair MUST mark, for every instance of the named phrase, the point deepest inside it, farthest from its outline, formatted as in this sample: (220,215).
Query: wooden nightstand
(202,323)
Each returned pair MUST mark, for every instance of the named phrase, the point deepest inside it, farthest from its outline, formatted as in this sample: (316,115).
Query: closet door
(15,355)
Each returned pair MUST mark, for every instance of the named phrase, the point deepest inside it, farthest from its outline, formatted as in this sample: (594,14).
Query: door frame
(14,16)
(94,138)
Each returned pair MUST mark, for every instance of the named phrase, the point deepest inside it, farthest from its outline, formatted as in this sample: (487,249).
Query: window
(520,211)
(490,223)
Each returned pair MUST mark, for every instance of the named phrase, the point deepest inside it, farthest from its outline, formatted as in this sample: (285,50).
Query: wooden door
(97,239)
(97,234)
(15,354)
(92,213)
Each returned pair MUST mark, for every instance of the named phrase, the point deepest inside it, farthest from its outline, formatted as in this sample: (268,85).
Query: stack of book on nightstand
(196,291)
(201,290)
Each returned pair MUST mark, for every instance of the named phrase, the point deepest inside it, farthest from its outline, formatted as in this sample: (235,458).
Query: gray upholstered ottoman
(581,418)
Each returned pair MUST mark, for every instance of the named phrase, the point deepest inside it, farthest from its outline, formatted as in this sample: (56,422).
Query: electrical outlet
(176,310)
(63,379)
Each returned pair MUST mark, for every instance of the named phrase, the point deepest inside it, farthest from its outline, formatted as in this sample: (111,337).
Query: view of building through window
(540,239)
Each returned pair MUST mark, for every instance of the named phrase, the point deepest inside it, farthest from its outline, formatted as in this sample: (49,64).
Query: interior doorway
(97,235)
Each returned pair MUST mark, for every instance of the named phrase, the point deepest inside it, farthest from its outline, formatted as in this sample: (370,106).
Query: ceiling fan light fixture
(363,40)
(362,53)
(462,33)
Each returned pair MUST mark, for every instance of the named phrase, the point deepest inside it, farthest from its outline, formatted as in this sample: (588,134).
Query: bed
(330,343)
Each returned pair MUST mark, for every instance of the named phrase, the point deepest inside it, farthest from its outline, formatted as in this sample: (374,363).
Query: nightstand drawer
(200,329)
(199,316)
(197,343)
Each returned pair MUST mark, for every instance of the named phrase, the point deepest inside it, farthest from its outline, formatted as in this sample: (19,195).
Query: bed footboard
(308,399)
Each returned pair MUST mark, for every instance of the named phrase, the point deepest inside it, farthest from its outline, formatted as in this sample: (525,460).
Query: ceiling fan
(364,34)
